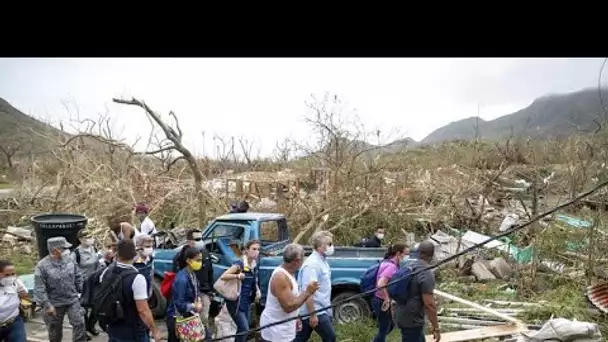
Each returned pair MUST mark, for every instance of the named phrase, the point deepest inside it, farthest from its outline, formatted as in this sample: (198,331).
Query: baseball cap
(57,242)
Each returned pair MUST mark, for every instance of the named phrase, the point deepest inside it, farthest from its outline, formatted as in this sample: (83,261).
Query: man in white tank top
(283,298)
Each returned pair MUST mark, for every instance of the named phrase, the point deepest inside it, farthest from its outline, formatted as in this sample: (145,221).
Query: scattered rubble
(498,261)
(18,237)
(481,271)
(501,268)
(499,319)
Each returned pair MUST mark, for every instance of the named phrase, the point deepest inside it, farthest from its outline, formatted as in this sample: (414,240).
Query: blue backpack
(368,279)
(399,286)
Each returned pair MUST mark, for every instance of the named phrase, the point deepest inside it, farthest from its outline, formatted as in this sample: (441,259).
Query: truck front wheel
(352,310)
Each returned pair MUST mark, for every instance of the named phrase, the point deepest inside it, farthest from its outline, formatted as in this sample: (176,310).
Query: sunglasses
(198,239)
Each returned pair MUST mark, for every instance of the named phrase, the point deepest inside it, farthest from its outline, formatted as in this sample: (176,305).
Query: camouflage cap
(57,242)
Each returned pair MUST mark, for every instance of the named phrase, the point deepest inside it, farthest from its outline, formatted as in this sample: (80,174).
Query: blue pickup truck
(225,234)
(222,238)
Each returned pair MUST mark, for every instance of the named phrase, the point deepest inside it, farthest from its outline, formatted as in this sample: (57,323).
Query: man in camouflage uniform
(57,284)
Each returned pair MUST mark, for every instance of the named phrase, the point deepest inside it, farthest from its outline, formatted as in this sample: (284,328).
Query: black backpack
(108,295)
(88,287)
(77,252)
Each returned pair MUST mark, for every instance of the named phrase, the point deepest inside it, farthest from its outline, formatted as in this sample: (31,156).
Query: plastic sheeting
(445,245)
(574,221)
(561,329)
(510,221)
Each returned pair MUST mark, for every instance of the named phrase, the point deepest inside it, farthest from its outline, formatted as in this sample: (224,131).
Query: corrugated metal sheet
(598,296)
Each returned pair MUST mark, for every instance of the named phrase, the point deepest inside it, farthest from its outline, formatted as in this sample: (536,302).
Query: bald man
(410,315)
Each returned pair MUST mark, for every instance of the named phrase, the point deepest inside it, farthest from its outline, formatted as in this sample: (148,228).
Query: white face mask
(380,236)
(66,254)
(8,281)
(329,250)
(148,251)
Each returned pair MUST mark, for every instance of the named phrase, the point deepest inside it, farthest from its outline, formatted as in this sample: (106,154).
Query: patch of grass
(363,330)
(6,186)
(562,301)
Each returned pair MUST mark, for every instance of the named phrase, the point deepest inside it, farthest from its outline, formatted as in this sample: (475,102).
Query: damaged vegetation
(456,193)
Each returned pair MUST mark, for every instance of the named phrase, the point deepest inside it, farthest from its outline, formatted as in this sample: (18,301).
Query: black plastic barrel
(57,224)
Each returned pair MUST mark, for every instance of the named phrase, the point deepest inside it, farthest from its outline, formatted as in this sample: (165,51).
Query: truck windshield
(226,230)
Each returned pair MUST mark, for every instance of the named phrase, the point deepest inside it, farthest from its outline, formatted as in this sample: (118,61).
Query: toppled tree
(174,137)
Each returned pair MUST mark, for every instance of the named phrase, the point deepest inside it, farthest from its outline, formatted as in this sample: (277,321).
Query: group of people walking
(66,283)
(310,295)
(113,288)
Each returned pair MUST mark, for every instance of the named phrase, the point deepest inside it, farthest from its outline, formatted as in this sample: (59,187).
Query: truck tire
(157,303)
(352,310)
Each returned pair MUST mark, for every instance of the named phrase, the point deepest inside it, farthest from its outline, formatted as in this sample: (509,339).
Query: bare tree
(174,136)
(10,148)
(341,144)
(247,150)
(224,151)
(345,157)
(283,152)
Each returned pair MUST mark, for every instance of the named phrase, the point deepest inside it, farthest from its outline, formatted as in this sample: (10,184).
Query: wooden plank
(481,333)
(239,189)
(478,307)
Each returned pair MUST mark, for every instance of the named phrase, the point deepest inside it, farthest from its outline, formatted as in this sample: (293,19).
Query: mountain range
(550,116)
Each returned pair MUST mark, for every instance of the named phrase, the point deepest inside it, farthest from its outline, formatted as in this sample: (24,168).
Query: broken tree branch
(176,139)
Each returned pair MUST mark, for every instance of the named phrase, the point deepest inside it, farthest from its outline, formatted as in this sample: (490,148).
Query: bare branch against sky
(264,99)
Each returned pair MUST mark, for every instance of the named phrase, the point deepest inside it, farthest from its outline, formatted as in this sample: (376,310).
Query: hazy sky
(264,99)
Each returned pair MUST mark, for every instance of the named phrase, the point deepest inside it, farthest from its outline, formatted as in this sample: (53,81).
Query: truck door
(225,240)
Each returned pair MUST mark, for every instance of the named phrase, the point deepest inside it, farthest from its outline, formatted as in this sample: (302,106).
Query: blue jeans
(325,330)
(384,319)
(14,332)
(412,334)
(240,318)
